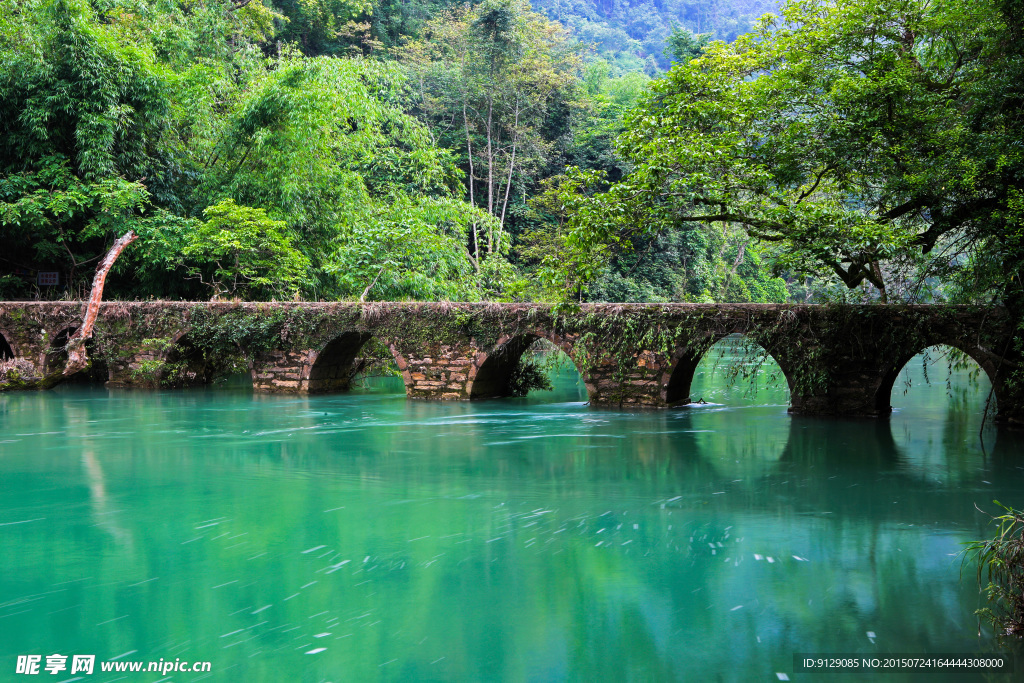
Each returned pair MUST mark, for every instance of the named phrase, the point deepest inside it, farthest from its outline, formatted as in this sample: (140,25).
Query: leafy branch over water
(1001,561)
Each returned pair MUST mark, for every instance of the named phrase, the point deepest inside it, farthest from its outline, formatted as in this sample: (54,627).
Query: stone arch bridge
(837,360)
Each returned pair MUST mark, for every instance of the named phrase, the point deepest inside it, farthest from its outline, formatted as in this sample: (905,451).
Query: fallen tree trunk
(78,358)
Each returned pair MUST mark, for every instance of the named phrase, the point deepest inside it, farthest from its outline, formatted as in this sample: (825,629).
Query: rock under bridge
(837,359)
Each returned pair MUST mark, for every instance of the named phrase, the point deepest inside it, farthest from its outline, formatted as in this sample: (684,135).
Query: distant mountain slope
(631,34)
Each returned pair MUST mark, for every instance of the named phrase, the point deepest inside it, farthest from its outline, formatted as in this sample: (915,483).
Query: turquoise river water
(363,536)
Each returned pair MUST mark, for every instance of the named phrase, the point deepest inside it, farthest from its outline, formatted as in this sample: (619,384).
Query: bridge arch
(7,350)
(491,372)
(883,395)
(184,364)
(678,379)
(57,352)
(333,366)
(56,356)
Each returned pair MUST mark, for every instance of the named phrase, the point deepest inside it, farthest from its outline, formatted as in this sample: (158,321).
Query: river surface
(363,536)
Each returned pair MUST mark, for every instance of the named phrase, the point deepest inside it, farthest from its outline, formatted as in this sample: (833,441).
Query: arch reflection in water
(939,401)
(945,369)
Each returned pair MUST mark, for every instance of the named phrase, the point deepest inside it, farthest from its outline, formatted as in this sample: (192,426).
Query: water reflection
(384,539)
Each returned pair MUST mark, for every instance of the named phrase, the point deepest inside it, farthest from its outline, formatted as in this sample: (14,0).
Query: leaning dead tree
(78,358)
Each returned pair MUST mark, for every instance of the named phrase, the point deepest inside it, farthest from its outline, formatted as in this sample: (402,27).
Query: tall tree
(491,80)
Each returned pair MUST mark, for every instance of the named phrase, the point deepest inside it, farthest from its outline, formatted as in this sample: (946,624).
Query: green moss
(814,345)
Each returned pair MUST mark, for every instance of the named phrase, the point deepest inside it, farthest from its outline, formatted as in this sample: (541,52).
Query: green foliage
(317,134)
(864,139)
(251,255)
(682,45)
(870,143)
(407,250)
(69,88)
(497,82)
(1000,563)
(602,119)
(80,115)
(51,216)
(322,146)
(173,111)
(527,376)
(317,25)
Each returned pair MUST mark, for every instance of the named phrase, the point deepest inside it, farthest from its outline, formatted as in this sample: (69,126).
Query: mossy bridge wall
(837,360)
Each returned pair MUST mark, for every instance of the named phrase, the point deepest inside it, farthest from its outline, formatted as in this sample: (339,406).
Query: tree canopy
(875,140)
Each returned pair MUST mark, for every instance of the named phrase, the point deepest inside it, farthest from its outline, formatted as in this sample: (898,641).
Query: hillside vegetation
(343,149)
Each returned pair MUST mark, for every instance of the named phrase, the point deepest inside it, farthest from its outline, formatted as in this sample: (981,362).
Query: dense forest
(584,150)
